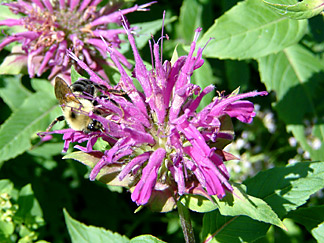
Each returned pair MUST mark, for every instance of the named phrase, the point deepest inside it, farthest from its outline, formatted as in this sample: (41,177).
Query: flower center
(54,27)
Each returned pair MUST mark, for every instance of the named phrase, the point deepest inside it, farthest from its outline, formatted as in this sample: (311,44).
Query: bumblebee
(75,107)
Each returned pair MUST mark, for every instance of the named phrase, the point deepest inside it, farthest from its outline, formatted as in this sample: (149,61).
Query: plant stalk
(185,221)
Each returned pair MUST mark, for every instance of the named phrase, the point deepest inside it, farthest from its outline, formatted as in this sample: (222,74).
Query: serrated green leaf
(238,203)
(284,189)
(309,217)
(30,117)
(190,18)
(302,10)
(80,232)
(287,188)
(318,233)
(147,29)
(251,30)
(219,228)
(294,75)
(145,239)
(13,92)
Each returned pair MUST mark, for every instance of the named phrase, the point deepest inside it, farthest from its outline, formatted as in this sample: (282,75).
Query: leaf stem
(185,221)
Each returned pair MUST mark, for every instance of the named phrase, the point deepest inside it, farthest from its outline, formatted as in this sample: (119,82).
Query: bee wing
(63,92)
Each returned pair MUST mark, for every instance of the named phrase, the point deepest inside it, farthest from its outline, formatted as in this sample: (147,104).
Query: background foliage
(255,45)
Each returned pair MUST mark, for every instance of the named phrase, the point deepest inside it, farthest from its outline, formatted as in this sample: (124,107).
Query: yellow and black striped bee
(75,108)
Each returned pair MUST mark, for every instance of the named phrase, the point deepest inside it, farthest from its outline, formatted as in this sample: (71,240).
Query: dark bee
(75,108)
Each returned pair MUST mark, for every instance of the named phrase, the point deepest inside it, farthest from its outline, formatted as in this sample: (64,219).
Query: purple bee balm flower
(161,147)
(52,27)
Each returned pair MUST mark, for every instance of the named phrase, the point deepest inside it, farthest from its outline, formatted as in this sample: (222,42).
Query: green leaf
(309,217)
(145,239)
(13,92)
(75,75)
(32,116)
(302,10)
(251,30)
(29,210)
(7,193)
(190,19)
(7,228)
(219,228)
(318,233)
(6,186)
(294,75)
(82,233)
(147,29)
(198,203)
(283,189)
(237,203)
(287,188)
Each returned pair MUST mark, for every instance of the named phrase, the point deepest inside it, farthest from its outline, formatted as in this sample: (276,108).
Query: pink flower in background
(53,27)
(161,147)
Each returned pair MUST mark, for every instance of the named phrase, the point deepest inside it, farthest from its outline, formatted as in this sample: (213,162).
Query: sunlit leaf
(283,189)
(233,204)
(80,232)
(251,30)
(318,233)
(145,239)
(302,10)
(32,116)
(287,188)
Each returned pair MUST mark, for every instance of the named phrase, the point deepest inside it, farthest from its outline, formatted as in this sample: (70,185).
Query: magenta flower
(161,146)
(52,27)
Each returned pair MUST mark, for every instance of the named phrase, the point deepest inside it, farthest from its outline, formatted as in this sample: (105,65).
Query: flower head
(161,146)
(52,27)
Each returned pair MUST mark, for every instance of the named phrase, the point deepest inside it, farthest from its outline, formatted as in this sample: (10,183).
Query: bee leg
(57,119)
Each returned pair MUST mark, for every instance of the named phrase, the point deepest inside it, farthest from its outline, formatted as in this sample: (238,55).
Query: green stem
(185,221)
